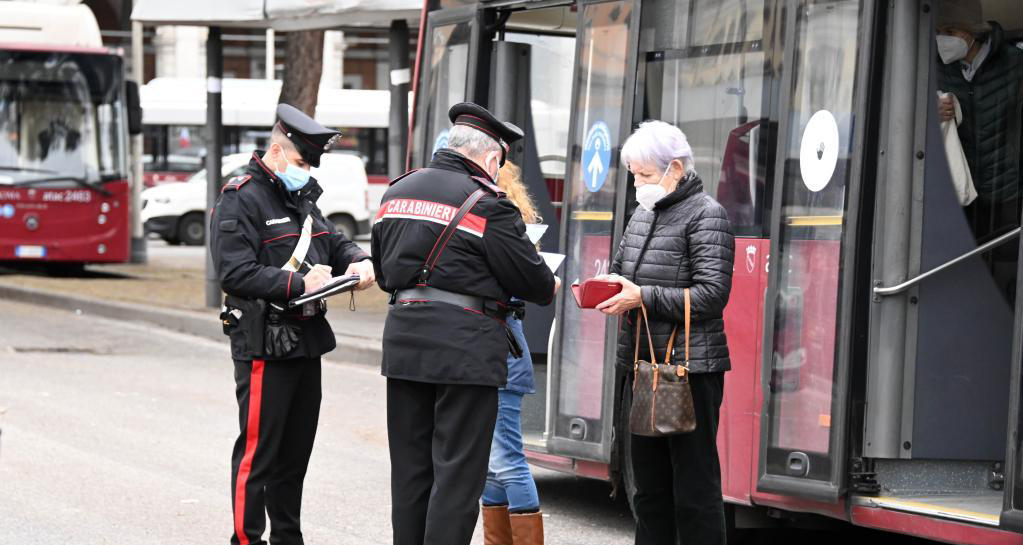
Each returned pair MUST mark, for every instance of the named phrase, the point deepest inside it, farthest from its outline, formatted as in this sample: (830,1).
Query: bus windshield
(60,115)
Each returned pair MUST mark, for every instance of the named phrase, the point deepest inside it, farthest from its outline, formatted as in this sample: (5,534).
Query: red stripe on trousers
(251,439)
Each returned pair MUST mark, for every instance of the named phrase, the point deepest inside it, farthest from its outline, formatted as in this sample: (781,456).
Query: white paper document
(534,231)
(553,260)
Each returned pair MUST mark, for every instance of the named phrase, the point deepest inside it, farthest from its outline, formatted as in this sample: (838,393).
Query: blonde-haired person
(511,507)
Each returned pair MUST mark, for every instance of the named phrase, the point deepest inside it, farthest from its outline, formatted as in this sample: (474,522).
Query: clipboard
(336,285)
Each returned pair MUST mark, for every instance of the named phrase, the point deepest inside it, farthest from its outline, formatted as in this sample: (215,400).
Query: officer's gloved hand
(281,337)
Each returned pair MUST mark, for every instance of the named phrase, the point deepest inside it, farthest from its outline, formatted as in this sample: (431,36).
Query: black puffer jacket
(685,242)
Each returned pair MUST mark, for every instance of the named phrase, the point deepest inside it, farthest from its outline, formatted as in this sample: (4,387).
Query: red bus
(65,106)
(873,325)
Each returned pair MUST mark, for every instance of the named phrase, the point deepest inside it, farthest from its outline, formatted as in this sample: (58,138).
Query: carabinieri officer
(271,244)
(452,251)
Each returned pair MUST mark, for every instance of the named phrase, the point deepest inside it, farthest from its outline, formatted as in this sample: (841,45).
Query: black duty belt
(428,294)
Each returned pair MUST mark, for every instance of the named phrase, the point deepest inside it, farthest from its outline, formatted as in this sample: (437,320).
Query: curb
(350,349)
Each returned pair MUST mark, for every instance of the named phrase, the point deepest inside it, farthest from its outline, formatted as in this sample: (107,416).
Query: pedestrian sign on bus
(596,156)
(441,141)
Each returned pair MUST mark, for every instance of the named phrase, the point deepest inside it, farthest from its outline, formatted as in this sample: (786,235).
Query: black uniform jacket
(489,256)
(254,229)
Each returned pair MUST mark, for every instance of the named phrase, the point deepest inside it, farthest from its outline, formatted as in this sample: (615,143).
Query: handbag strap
(649,339)
(671,340)
(688,313)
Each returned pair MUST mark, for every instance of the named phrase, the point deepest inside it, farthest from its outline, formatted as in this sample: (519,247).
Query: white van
(175,211)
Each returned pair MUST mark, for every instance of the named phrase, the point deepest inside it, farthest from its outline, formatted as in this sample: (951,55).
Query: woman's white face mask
(647,195)
(952,48)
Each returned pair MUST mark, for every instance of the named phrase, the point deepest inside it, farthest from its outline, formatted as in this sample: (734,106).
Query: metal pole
(397,136)
(138,238)
(214,148)
(271,61)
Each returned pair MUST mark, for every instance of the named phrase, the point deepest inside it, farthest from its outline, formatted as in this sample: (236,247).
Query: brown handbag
(662,401)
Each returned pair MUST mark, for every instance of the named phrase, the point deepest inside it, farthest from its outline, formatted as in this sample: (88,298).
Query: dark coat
(254,228)
(489,256)
(992,105)
(684,242)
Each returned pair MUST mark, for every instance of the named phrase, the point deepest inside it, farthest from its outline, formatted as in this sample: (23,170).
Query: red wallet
(593,292)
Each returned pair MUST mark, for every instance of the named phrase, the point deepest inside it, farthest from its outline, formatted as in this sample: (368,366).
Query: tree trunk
(303,65)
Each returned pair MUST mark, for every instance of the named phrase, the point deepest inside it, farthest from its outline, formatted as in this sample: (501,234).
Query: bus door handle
(797,464)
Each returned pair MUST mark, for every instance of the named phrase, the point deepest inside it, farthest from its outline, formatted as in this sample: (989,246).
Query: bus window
(551,95)
(708,72)
(444,83)
(600,83)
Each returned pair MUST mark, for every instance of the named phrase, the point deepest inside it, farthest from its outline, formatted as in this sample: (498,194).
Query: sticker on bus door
(596,156)
(818,150)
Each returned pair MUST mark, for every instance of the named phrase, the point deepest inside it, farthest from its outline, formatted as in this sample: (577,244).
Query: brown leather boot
(496,527)
(527,528)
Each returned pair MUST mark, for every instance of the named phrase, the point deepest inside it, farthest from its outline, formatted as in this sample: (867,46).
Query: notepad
(553,260)
(334,286)
(535,231)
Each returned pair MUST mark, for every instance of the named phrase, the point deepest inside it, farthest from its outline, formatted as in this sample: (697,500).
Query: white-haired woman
(679,237)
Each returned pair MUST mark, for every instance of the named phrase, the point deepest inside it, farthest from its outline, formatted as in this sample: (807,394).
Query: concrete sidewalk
(169,297)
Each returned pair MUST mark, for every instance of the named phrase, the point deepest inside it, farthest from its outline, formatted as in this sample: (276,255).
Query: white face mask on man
(952,48)
(647,195)
(497,163)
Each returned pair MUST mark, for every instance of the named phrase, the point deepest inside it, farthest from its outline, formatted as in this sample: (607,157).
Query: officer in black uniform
(445,342)
(271,244)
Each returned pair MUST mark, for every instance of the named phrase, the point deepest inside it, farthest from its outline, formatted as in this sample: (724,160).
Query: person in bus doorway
(264,231)
(511,507)
(452,251)
(982,73)
(679,237)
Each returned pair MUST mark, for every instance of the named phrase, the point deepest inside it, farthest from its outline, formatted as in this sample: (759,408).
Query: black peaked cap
(479,118)
(311,138)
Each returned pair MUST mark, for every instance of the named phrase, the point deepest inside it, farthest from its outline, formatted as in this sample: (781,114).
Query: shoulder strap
(302,248)
(493,188)
(402,177)
(235,183)
(447,233)
(671,339)
(649,338)
(688,312)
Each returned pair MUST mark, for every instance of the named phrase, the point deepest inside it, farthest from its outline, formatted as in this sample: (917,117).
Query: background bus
(174,117)
(64,120)
(860,389)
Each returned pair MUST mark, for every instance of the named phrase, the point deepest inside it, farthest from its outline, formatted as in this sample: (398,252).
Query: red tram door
(815,201)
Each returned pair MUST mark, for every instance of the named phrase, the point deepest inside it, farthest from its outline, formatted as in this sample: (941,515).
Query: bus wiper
(76,179)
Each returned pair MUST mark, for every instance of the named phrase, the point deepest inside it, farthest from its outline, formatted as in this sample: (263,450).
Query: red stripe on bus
(251,439)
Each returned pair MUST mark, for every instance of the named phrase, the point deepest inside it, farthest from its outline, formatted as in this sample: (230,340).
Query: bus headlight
(102,219)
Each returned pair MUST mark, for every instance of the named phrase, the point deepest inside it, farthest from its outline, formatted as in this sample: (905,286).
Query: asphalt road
(115,433)
(121,434)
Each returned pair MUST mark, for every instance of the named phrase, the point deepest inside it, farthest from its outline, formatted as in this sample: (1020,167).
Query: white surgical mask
(497,173)
(647,195)
(952,48)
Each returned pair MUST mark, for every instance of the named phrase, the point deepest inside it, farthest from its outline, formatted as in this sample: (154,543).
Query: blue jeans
(509,481)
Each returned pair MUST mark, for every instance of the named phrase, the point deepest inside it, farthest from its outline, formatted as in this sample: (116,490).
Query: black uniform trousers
(678,477)
(279,405)
(439,437)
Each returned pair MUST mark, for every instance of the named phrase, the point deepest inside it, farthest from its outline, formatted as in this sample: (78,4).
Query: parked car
(175,212)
